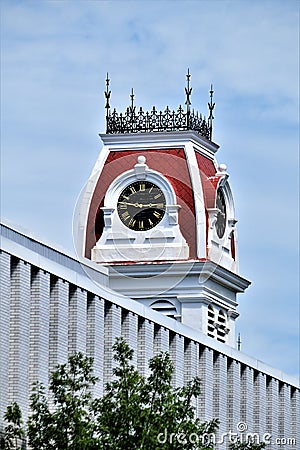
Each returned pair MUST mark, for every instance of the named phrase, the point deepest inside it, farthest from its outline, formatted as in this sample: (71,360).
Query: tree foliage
(68,422)
(135,412)
(148,413)
(13,432)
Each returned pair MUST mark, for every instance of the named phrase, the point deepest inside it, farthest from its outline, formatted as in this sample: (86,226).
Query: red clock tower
(158,211)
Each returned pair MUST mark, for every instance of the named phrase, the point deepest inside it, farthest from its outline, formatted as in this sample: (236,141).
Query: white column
(130,332)
(284,409)
(77,320)
(233,395)
(58,331)
(272,407)
(95,338)
(145,344)
(176,346)
(205,407)
(112,330)
(39,327)
(247,397)
(191,359)
(220,396)
(161,339)
(191,351)
(259,404)
(18,366)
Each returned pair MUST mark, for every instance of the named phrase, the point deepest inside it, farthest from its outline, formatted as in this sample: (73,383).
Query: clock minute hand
(141,205)
(150,205)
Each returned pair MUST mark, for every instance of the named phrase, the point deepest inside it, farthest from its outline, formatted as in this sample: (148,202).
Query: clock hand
(137,205)
(150,205)
(141,205)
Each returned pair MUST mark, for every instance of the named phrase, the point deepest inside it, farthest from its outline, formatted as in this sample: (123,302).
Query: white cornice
(178,268)
(139,140)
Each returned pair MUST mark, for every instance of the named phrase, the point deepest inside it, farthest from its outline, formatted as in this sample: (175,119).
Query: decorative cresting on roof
(139,121)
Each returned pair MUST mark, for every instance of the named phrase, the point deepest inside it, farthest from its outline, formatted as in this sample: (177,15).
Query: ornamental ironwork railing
(157,121)
(140,121)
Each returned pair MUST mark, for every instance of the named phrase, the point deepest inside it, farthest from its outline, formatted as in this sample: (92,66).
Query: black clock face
(141,205)
(221,218)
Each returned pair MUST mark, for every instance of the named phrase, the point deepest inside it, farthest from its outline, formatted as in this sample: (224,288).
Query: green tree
(13,438)
(148,413)
(135,412)
(69,422)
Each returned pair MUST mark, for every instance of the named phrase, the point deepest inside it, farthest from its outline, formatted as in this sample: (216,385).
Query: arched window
(165,307)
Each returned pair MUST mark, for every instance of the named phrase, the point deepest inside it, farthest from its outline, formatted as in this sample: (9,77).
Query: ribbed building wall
(45,317)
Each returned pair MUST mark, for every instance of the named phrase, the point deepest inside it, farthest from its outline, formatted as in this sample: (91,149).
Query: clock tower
(158,211)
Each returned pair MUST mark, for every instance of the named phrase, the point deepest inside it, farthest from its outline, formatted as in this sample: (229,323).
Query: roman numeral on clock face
(125,215)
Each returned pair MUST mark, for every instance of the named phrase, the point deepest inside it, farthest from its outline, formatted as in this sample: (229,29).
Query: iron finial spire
(188,92)
(107,93)
(132,99)
(132,107)
(211,106)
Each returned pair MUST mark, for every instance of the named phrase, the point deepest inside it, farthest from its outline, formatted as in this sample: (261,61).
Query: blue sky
(54,59)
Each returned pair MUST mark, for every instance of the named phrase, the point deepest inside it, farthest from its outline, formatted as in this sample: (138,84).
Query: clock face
(221,218)
(141,205)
